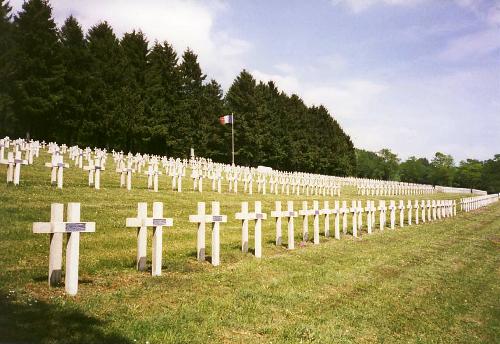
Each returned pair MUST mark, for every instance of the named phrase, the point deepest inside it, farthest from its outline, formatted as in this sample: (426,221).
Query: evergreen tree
(188,121)
(75,93)
(38,70)
(129,111)
(241,101)
(162,89)
(7,69)
(101,126)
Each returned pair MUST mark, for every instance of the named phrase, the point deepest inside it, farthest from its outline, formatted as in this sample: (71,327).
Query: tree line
(441,170)
(95,89)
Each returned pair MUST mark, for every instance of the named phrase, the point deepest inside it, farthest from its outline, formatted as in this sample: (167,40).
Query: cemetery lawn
(437,282)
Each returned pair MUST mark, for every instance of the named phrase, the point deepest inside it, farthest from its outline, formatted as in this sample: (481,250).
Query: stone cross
(336,211)
(14,163)
(392,208)
(56,227)
(402,213)
(360,215)
(382,208)
(429,210)
(289,214)
(326,211)
(142,222)
(202,219)
(409,206)
(369,210)
(423,209)
(278,214)
(305,225)
(354,211)
(57,166)
(344,211)
(257,216)
(417,215)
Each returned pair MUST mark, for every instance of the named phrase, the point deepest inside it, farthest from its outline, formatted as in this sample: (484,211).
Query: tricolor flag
(226,119)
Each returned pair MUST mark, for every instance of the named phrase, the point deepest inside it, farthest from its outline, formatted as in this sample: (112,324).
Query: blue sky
(415,76)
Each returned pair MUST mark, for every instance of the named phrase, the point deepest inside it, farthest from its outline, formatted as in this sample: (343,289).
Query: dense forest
(441,170)
(95,89)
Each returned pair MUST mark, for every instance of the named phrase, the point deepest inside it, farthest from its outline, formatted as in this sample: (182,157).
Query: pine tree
(188,119)
(38,70)
(75,93)
(7,69)
(241,101)
(129,111)
(101,127)
(162,90)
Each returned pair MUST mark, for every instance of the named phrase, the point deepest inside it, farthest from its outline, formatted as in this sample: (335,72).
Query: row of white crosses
(472,203)
(449,189)
(289,183)
(431,210)
(384,188)
(14,159)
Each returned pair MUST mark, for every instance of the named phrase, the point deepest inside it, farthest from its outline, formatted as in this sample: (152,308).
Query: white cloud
(347,99)
(358,6)
(287,83)
(472,45)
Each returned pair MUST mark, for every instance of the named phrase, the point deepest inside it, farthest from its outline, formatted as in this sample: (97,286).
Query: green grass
(432,283)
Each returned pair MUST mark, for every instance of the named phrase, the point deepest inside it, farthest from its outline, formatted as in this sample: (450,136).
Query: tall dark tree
(102,125)
(129,111)
(241,101)
(189,119)
(38,77)
(7,69)
(162,88)
(75,92)
(490,175)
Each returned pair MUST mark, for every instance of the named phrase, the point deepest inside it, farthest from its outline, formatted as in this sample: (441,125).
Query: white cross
(290,214)
(409,206)
(369,211)
(326,211)
(382,208)
(401,213)
(354,211)
(423,208)
(142,222)
(336,211)
(245,216)
(344,211)
(73,227)
(57,166)
(392,208)
(202,219)
(360,215)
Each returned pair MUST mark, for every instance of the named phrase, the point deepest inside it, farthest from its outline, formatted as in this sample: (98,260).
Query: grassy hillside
(435,282)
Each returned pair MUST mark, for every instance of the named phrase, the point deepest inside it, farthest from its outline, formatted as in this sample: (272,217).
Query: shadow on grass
(41,322)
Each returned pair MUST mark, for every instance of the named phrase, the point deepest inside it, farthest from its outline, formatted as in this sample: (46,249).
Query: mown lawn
(431,283)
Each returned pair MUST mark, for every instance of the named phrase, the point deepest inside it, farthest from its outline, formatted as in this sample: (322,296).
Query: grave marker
(73,227)
(202,219)
(257,216)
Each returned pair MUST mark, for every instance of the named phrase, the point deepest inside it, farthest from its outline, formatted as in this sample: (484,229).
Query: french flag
(226,119)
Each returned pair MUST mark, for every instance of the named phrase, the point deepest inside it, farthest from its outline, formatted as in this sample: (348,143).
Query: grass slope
(435,282)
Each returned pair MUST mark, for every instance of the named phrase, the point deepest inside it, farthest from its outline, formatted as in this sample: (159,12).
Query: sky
(414,76)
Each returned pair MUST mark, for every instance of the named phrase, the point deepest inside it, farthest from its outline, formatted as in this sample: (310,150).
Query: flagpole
(232,135)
